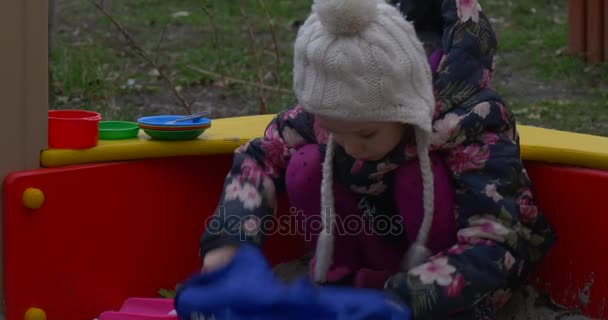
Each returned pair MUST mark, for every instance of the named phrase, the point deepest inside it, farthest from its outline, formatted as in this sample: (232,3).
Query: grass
(93,66)
(536,31)
(92,62)
(585,117)
(567,93)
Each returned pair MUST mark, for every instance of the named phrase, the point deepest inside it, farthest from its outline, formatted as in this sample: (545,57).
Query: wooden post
(605,40)
(23,88)
(595,29)
(576,27)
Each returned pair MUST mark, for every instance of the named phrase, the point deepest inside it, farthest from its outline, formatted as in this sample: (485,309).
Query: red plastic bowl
(73,129)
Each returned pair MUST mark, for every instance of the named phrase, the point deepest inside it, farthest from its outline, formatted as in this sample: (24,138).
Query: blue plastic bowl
(161,121)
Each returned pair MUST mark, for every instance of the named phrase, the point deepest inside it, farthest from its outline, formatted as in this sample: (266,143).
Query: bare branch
(282,91)
(263,103)
(143,54)
(277,71)
(216,42)
(160,41)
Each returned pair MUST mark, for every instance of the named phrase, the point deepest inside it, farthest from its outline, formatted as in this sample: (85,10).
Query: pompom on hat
(360,60)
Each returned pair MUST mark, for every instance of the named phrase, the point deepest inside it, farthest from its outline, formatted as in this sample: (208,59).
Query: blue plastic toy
(247,289)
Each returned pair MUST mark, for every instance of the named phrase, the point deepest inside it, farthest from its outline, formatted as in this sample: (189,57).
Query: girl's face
(367,141)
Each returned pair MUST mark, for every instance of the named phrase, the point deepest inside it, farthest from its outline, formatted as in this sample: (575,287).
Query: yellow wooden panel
(562,147)
(227,134)
(224,136)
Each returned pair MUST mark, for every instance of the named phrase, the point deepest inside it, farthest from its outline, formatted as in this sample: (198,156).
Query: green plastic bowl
(113,130)
(174,134)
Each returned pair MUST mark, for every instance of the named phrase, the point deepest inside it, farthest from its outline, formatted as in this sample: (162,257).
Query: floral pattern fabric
(502,233)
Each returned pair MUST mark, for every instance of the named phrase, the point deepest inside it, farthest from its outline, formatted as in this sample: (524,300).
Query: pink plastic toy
(142,309)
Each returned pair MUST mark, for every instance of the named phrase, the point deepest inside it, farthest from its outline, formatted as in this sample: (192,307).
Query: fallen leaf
(499,20)
(169,294)
(558,20)
(559,51)
(219,84)
(521,111)
(180,14)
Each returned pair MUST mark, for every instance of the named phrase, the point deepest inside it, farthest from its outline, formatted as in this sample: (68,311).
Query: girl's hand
(218,258)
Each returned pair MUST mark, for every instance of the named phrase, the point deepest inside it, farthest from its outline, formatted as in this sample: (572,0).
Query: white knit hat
(360,60)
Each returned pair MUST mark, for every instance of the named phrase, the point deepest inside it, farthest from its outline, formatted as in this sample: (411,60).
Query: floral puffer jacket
(502,233)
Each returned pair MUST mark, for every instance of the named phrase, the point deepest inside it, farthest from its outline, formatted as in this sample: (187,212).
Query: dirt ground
(525,304)
(209,98)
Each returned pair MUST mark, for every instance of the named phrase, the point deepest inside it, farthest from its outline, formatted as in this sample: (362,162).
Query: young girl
(421,154)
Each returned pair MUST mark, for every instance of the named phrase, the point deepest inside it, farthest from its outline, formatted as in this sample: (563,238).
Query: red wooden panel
(107,232)
(574,199)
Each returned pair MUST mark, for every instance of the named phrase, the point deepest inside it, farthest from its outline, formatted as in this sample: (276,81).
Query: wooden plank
(595,28)
(576,27)
(11,86)
(23,88)
(36,89)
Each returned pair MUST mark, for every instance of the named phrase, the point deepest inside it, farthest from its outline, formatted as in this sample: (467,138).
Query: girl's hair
(427,19)
(424,14)
(431,41)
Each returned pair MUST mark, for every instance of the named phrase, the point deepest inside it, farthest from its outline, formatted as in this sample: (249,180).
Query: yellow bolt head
(35,314)
(33,198)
